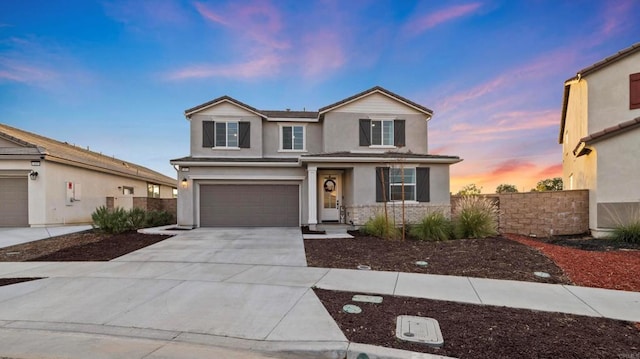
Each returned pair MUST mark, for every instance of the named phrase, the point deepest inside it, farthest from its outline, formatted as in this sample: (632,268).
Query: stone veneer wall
(542,214)
(414,212)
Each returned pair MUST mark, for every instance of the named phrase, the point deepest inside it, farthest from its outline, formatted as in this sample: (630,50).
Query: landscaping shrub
(475,217)
(137,218)
(110,221)
(379,226)
(159,218)
(435,226)
(629,233)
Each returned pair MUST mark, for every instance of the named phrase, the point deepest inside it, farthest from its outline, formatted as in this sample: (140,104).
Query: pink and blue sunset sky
(117,75)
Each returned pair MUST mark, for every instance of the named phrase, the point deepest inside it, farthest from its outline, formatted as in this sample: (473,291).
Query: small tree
(469,190)
(506,188)
(549,184)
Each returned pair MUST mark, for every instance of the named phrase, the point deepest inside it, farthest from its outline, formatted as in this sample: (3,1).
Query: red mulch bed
(611,269)
(476,331)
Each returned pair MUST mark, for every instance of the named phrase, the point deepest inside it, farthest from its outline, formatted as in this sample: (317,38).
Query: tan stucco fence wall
(542,214)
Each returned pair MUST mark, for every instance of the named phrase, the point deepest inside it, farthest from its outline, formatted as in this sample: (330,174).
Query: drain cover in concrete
(367,298)
(352,309)
(542,274)
(419,330)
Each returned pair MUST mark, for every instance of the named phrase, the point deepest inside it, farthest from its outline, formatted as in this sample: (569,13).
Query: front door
(331,197)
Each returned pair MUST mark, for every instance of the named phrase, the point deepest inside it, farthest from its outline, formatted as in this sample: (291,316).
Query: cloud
(551,171)
(439,17)
(30,74)
(264,67)
(615,16)
(321,53)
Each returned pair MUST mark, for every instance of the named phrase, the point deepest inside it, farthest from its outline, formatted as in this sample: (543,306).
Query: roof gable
(66,153)
(373,92)
(221,100)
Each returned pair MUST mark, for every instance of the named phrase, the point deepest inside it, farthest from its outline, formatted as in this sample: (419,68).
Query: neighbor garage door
(265,205)
(14,202)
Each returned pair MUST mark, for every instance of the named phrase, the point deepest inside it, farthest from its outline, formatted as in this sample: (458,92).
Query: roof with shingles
(607,61)
(236,159)
(612,131)
(33,144)
(376,89)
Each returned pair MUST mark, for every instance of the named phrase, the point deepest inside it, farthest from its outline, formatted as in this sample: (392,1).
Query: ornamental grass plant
(475,217)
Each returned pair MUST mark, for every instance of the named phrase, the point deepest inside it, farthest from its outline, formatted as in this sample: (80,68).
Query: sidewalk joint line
(395,285)
(474,290)
(287,313)
(580,299)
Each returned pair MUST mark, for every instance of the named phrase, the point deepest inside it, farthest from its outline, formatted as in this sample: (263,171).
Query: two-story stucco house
(600,137)
(251,167)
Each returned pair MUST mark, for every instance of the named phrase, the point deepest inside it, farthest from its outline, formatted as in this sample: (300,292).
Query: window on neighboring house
(175,193)
(634,91)
(389,184)
(293,138)
(382,132)
(226,134)
(153,190)
(396,178)
(127,190)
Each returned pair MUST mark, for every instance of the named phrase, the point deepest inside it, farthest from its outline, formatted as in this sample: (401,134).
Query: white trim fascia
(189,114)
(376,117)
(379,159)
(237,164)
(247,178)
(291,119)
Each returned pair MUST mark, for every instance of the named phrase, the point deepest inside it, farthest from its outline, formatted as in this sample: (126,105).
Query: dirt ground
(475,331)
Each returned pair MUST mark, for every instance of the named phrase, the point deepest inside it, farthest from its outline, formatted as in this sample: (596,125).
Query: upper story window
(386,133)
(153,190)
(292,138)
(226,134)
(634,91)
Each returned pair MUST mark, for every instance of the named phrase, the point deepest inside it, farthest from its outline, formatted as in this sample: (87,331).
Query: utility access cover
(367,298)
(419,330)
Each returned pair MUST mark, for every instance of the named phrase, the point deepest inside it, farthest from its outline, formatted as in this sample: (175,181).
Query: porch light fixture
(33,175)
(184,183)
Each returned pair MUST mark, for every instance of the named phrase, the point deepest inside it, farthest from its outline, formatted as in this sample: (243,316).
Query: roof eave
(381,159)
(382,91)
(192,111)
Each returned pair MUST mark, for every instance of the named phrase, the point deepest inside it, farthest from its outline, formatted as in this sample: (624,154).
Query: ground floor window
(396,178)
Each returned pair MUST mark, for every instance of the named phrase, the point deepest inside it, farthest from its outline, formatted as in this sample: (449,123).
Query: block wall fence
(150,204)
(541,214)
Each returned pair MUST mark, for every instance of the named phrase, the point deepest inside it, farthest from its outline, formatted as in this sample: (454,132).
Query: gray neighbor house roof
(34,146)
(586,71)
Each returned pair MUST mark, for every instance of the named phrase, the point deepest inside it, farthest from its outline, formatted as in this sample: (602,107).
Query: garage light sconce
(184,183)
(33,175)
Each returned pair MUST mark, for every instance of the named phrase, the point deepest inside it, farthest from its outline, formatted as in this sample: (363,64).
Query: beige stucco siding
(609,94)
(272,138)
(341,131)
(618,169)
(212,114)
(379,104)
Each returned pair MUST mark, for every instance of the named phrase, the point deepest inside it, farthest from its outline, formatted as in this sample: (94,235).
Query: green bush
(435,226)
(110,221)
(159,218)
(629,233)
(475,217)
(137,218)
(379,226)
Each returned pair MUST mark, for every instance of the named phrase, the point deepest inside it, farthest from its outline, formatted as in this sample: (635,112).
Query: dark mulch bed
(497,258)
(588,243)
(474,331)
(9,281)
(83,246)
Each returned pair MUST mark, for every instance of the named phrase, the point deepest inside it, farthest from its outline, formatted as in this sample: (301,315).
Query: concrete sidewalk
(248,290)
(13,236)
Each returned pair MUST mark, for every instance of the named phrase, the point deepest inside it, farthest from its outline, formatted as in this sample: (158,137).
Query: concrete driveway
(241,288)
(13,236)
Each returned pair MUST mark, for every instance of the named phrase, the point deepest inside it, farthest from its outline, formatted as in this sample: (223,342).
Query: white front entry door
(330,197)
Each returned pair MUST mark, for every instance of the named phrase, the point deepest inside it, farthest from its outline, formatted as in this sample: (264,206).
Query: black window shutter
(365,132)
(422,184)
(244,128)
(382,184)
(207,133)
(398,133)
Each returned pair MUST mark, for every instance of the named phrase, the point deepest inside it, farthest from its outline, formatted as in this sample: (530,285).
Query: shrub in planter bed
(379,226)
(119,220)
(159,218)
(629,233)
(475,217)
(435,226)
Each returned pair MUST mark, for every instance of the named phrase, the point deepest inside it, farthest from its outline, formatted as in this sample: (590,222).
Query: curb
(367,351)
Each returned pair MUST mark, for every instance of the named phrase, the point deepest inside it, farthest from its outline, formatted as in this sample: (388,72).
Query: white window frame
(382,134)
(399,184)
(151,190)
(226,130)
(281,137)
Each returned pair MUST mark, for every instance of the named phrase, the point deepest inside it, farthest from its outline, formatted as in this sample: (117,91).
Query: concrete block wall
(413,212)
(542,214)
(151,204)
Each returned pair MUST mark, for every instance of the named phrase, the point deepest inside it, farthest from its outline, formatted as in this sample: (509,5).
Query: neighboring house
(251,167)
(600,137)
(47,182)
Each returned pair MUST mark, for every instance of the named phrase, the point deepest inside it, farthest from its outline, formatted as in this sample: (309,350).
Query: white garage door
(14,202)
(256,205)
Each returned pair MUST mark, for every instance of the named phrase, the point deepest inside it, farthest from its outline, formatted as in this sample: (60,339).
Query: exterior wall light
(184,183)
(33,175)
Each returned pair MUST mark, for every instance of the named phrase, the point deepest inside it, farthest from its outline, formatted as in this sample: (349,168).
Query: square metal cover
(419,330)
